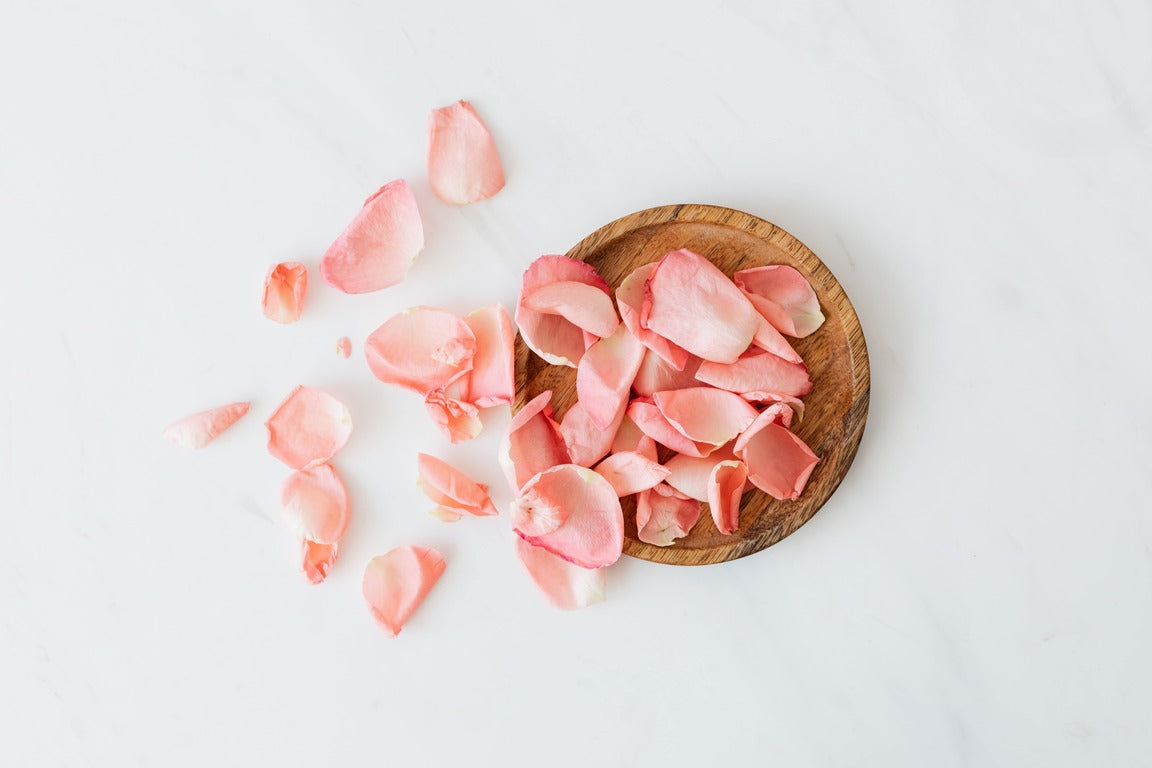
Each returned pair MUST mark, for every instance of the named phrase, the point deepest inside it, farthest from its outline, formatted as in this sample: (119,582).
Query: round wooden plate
(834,412)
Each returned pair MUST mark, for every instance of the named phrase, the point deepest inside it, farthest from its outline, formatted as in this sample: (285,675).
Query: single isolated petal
(492,380)
(758,372)
(725,487)
(284,288)
(199,429)
(690,474)
(456,419)
(344,347)
(630,301)
(776,413)
(315,504)
(451,489)
(605,375)
(653,424)
(706,414)
(783,297)
(422,348)
(308,428)
(779,463)
(586,442)
(591,528)
(690,302)
(463,164)
(630,472)
(566,586)
(585,306)
(656,375)
(553,337)
(316,559)
(630,437)
(663,517)
(397,582)
(533,442)
(378,247)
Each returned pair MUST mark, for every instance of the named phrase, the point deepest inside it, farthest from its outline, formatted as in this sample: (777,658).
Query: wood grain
(835,411)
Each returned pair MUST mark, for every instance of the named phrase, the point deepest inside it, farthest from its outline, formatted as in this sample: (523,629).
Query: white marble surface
(978,175)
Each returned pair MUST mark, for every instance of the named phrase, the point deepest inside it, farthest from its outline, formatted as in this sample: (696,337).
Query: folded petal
(757,372)
(605,374)
(706,414)
(775,413)
(783,297)
(463,164)
(308,428)
(663,517)
(456,419)
(378,247)
(397,582)
(725,487)
(199,429)
(533,442)
(284,288)
(653,424)
(779,463)
(690,474)
(630,302)
(344,347)
(656,375)
(452,490)
(585,306)
(630,472)
(771,340)
(630,437)
(553,337)
(690,302)
(795,404)
(315,504)
(586,442)
(421,348)
(566,586)
(316,559)
(492,380)
(591,528)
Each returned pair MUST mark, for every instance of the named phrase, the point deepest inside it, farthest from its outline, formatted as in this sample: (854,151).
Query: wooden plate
(835,411)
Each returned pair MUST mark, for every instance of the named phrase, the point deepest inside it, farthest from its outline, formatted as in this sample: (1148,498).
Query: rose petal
(422,348)
(690,474)
(315,504)
(771,340)
(630,301)
(452,490)
(662,517)
(308,428)
(585,306)
(795,404)
(690,302)
(378,247)
(492,380)
(586,442)
(652,423)
(316,559)
(783,297)
(656,375)
(705,414)
(776,413)
(199,429)
(397,582)
(629,472)
(630,437)
(591,529)
(566,586)
(284,288)
(779,463)
(725,487)
(605,375)
(463,164)
(456,419)
(533,442)
(552,337)
(757,372)
(344,347)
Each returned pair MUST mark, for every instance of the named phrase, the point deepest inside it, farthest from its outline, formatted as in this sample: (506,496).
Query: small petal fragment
(758,372)
(656,375)
(605,375)
(284,289)
(725,487)
(785,299)
(630,301)
(451,490)
(779,463)
(653,424)
(463,164)
(630,472)
(344,347)
(456,419)
(397,582)
(422,348)
(585,306)
(308,428)
(316,559)
(587,443)
(492,380)
(552,337)
(663,517)
(533,442)
(771,340)
(199,429)
(706,414)
(315,504)
(380,244)
(566,586)
(690,474)
(795,404)
(591,528)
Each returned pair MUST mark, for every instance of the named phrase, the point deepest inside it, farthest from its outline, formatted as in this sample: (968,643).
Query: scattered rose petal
(315,504)
(308,428)
(552,337)
(463,164)
(690,474)
(630,437)
(771,340)
(453,492)
(492,380)
(397,582)
(284,290)
(316,559)
(591,529)
(585,306)
(566,586)
(199,429)
(783,297)
(776,413)
(533,442)
(344,347)
(380,244)
(630,301)
(456,419)
(605,375)
(652,423)
(422,348)
(725,487)
(705,414)
(656,375)
(757,372)
(779,463)
(630,472)
(587,443)
(663,517)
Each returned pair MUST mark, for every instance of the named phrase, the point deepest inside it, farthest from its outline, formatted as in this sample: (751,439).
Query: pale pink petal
(566,586)
(653,424)
(463,164)
(587,443)
(284,288)
(422,348)
(344,347)
(771,340)
(397,582)
(533,442)
(456,419)
(605,375)
(585,306)
(794,403)
(591,529)
(315,504)
(552,337)
(630,437)
(663,517)
(783,297)
(705,414)
(380,244)
(492,380)
(776,413)
(757,372)
(690,302)
(199,429)
(445,515)
(725,487)
(308,428)
(630,301)
(630,472)
(656,375)
(779,463)
(451,489)
(690,474)
(316,559)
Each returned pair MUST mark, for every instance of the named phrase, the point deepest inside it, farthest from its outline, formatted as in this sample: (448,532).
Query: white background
(979,590)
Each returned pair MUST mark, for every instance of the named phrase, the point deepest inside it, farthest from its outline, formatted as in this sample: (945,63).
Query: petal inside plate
(630,472)
(706,414)
(550,336)
(661,518)
(532,443)
(605,375)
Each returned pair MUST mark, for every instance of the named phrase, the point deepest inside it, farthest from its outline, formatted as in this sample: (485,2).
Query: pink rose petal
(705,414)
(630,437)
(663,517)
(492,380)
(591,529)
(605,375)
(308,428)
(315,504)
(771,340)
(316,559)
(380,244)
(552,337)
(779,463)
(344,347)
(757,372)
(795,404)
(533,442)
(456,419)
(284,290)
(199,429)
(776,413)
(630,301)
(630,472)
(586,442)
(690,474)
(397,582)
(725,487)
(463,164)
(783,297)
(585,306)
(451,490)
(653,424)
(422,348)
(655,375)
(566,586)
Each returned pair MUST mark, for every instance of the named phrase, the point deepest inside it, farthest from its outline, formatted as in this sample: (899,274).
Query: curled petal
(553,337)
(779,463)
(795,404)
(451,490)
(605,375)
(591,529)
(631,472)
(533,442)
(776,413)
(725,487)
(463,164)
(653,424)
(284,290)
(690,474)
(630,301)
(315,504)
(587,443)
(585,306)
(344,347)
(421,348)
(566,586)
(492,380)
(308,428)
(456,419)
(199,429)
(655,375)
(316,559)
(705,414)
(663,517)
(758,372)
(397,582)
(630,437)
(783,297)
(378,247)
